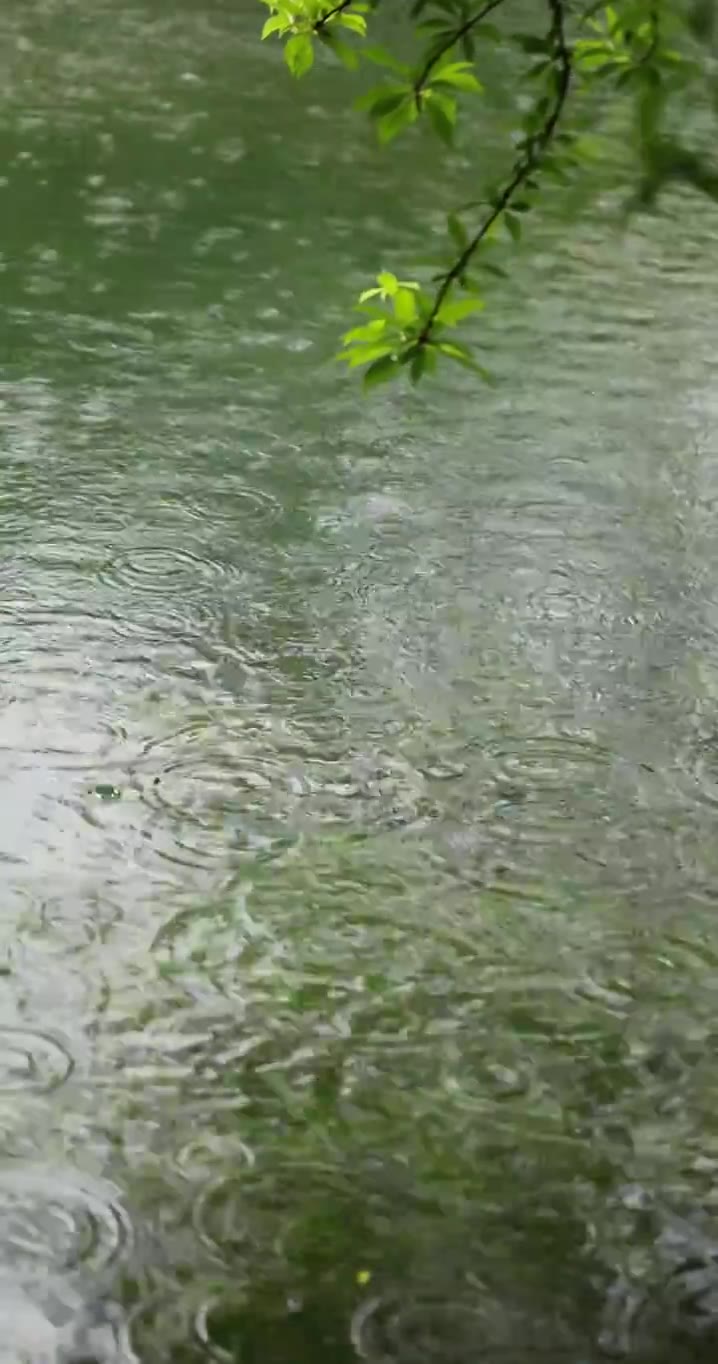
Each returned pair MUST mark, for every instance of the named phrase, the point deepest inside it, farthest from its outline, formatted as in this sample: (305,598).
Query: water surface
(360,770)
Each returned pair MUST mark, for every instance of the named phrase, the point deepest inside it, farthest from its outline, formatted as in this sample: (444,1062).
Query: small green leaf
(275,24)
(488,33)
(356,22)
(363,355)
(346,54)
(442,115)
(371,102)
(418,365)
(382,371)
(494,269)
(405,309)
(451,313)
(462,356)
(299,54)
(457,231)
(370,331)
(459,75)
(531,43)
(388,283)
(393,123)
(381,57)
(514,226)
(381,107)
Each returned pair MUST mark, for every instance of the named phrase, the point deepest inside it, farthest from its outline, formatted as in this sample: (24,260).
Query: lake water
(359,777)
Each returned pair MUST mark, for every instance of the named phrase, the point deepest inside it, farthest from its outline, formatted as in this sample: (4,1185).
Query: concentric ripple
(219,1217)
(32,1061)
(159,570)
(59,1221)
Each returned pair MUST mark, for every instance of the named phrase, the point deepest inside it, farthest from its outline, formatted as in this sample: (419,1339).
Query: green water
(359,760)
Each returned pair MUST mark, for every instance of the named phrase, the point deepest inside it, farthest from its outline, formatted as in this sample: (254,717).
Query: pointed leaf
(451,313)
(514,226)
(531,43)
(299,53)
(275,24)
(381,99)
(356,22)
(405,309)
(393,123)
(382,371)
(381,57)
(453,351)
(442,117)
(418,365)
(346,54)
(457,231)
(460,75)
(363,355)
(370,331)
(388,283)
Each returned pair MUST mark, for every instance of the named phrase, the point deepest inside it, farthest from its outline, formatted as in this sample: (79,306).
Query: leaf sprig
(627,45)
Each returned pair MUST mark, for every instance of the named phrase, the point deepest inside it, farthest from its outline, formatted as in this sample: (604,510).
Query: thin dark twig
(331,13)
(451,41)
(528,162)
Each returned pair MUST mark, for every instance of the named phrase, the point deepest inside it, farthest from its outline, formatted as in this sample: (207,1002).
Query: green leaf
(275,24)
(451,313)
(382,99)
(459,75)
(370,331)
(388,283)
(299,53)
(494,269)
(489,33)
(381,57)
(389,125)
(442,115)
(418,365)
(531,43)
(457,231)
(462,356)
(387,105)
(514,226)
(356,22)
(382,371)
(362,355)
(405,306)
(346,54)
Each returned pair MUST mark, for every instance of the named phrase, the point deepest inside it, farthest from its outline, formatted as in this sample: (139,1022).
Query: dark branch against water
(331,14)
(534,149)
(451,40)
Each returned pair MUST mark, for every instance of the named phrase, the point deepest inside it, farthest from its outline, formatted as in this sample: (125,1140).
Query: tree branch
(331,13)
(451,41)
(529,161)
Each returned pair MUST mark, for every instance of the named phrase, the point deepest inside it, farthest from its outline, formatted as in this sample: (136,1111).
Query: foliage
(644,54)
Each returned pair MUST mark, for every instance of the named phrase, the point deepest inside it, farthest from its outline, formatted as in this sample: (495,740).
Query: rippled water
(359,762)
